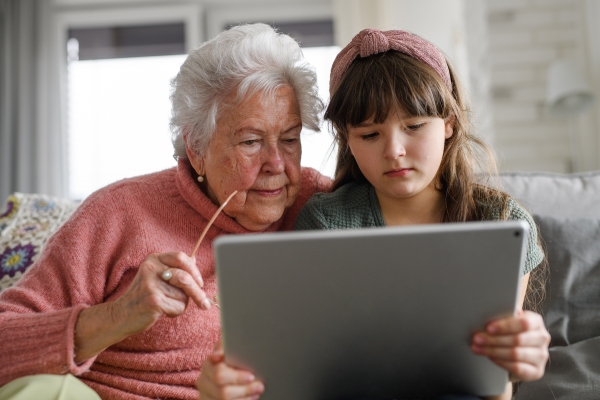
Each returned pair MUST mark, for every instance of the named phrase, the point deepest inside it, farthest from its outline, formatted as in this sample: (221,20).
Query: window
(118,91)
(318,148)
(119,65)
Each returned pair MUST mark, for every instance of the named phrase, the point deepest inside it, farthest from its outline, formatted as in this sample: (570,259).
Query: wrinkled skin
(255,150)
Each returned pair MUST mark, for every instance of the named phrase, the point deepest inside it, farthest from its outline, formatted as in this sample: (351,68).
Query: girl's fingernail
(250,378)
(492,329)
(259,388)
(479,340)
(205,304)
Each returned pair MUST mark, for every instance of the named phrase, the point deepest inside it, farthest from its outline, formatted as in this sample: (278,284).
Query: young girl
(406,156)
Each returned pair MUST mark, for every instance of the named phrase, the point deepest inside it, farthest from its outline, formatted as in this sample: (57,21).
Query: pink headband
(374,41)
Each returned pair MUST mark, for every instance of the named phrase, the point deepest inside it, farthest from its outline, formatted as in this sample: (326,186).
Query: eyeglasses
(215,302)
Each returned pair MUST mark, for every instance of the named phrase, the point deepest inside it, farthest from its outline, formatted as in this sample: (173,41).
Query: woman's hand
(148,298)
(220,381)
(518,344)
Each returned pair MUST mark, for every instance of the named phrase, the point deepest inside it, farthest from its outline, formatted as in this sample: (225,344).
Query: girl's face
(402,155)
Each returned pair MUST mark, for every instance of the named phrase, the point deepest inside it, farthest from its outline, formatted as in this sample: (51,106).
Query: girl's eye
(369,136)
(415,127)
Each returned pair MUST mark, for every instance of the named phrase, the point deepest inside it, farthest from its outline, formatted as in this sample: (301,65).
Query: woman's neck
(426,207)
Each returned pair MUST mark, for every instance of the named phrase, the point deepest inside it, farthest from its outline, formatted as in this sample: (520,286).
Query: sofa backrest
(559,195)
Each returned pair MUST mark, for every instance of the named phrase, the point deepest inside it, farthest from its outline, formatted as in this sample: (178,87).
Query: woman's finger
(173,308)
(183,280)
(172,291)
(184,262)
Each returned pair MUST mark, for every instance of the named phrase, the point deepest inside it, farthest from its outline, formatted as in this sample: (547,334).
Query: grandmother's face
(256,151)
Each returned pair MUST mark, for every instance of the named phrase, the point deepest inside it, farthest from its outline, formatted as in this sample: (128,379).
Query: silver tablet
(381,313)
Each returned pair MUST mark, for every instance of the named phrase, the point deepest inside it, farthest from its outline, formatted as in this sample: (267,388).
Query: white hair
(249,58)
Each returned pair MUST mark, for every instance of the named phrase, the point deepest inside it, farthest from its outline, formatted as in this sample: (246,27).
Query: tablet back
(383,313)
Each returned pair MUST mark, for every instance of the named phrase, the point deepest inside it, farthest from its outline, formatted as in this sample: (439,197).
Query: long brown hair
(373,86)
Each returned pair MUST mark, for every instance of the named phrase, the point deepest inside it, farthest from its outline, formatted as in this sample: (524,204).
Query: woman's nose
(394,147)
(274,161)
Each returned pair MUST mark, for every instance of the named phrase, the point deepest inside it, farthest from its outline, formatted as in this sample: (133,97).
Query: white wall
(526,36)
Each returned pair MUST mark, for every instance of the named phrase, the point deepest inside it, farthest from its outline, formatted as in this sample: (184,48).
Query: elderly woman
(98,303)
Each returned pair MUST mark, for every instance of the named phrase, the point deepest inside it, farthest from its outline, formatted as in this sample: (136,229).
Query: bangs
(375,85)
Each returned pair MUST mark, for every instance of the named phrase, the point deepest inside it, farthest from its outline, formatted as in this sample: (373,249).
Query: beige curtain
(32,151)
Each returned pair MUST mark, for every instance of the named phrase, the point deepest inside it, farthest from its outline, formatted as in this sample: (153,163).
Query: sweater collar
(189,189)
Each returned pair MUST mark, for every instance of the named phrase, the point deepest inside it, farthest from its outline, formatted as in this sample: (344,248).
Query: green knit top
(355,205)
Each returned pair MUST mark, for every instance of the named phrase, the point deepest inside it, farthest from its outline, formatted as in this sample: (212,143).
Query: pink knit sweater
(93,258)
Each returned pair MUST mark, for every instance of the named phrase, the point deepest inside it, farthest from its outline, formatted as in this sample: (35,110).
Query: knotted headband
(374,41)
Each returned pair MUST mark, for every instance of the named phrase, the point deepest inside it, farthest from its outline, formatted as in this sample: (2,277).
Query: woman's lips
(398,172)
(269,193)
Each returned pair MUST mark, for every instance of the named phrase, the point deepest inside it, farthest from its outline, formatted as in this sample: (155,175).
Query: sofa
(567,211)
(565,207)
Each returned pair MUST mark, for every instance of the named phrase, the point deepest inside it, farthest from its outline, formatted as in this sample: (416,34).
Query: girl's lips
(269,192)
(398,172)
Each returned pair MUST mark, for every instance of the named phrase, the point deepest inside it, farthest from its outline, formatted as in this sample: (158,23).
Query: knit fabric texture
(94,257)
(374,41)
(26,223)
(355,205)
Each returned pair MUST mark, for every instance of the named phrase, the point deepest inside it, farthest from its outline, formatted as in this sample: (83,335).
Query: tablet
(378,313)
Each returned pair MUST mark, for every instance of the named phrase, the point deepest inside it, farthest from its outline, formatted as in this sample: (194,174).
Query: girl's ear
(449,126)
(196,160)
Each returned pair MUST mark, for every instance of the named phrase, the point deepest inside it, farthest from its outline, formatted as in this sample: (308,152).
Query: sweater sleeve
(535,254)
(38,315)
(311,216)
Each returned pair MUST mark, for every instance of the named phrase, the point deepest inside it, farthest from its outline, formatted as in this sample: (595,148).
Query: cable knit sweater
(94,257)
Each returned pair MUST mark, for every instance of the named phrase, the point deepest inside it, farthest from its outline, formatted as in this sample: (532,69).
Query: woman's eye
(249,142)
(290,140)
(369,136)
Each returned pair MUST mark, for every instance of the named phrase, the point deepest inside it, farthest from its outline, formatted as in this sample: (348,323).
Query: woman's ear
(196,160)
(449,126)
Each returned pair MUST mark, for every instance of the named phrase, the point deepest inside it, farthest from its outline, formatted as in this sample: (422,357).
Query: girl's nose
(394,147)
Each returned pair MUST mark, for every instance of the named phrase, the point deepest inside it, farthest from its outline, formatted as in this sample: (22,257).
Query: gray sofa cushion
(572,310)
(559,195)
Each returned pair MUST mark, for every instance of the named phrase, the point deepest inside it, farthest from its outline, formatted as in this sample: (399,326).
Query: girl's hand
(518,344)
(147,299)
(220,381)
